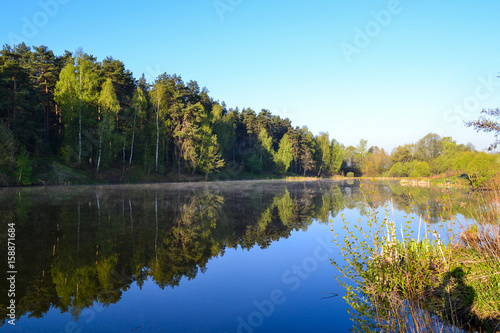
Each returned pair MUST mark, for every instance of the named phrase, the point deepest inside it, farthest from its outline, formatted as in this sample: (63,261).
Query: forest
(73,119)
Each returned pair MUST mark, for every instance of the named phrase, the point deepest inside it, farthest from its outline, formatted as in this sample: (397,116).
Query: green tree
(482,168)
(419,169)
(429,147)
(224,126)
(361,152)
(325,154)
(68,99)
(46,73)
(337,156)
(402,154)
(284,155)
(8,147)
(158,99)
(376,162)
(398,170)
(308,151)
(139,108)
(109,107)
(266,149)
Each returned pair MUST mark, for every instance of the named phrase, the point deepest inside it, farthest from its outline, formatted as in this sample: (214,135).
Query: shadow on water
(81,245)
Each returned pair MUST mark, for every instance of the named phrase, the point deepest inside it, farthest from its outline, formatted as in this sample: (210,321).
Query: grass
(400,281)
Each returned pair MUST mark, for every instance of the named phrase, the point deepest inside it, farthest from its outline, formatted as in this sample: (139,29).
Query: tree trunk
(179,161)
(80,136)
(100,150)
(124,144)
(132,143)
(14,106)
(47,112)
(157,132)
(80,123)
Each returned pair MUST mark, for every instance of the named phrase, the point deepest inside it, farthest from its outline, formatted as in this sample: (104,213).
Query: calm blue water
(218,257)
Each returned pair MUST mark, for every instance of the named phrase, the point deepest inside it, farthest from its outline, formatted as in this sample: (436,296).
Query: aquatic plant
(435,281)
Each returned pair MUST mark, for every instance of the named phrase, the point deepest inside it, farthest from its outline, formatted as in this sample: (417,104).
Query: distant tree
(361,151)
(402,154)
(429,147)
(376,162)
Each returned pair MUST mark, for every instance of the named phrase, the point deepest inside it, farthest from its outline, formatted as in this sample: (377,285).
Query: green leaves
(284,155)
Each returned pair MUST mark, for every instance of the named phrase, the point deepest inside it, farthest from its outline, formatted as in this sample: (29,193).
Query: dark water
(212,257)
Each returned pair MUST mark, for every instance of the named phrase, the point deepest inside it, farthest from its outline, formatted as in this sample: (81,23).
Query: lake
(249,256)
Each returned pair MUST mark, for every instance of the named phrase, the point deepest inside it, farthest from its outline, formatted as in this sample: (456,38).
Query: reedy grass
(431,283)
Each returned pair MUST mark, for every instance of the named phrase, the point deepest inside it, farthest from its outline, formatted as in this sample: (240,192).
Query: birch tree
(158,100)
(108,110)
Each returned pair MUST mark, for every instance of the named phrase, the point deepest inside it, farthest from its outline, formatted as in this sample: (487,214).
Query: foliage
(97,117)
(16,167)
(482,168)
(283,156)
(8,147)
(422,284)
(419,169)
(398,170)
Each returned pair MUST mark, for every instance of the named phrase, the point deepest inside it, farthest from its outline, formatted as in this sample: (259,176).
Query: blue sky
(386,71)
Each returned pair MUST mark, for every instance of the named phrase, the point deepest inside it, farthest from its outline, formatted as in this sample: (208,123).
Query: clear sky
(386,71)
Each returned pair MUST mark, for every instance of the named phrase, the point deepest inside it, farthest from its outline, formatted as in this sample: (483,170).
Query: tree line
(431,156)
(94,116)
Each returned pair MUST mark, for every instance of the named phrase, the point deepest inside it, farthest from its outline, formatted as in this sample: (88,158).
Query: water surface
(214,257)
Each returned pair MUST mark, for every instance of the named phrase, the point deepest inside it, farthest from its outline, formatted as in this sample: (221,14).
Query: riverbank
(445,278)
(55,172)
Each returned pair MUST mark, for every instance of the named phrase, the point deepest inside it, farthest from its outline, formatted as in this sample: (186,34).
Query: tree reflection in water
(80,245)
